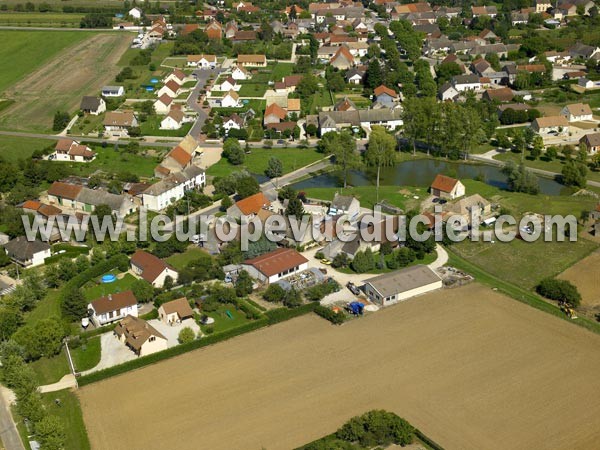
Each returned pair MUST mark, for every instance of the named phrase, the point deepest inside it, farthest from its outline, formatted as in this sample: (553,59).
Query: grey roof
(22,249)
(465,79)
(97,197)
(173,180)
(403,280)
(111,88)
(342,202)
(329,119)
(90,103)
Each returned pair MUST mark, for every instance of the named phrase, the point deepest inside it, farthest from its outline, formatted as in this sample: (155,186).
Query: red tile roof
(276,110)
(182,157)
(253,204)
(277,261)
(34,205)
(65,190)
(114,302)
(444,183)
(384,90)
(150,265)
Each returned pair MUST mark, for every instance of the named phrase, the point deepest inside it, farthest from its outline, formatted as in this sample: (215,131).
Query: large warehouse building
(393,287)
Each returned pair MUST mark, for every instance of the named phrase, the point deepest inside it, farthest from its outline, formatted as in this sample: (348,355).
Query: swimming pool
(108,278)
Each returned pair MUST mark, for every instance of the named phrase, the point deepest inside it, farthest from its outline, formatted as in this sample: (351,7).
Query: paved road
(8,431)
(202,76)
(103,30)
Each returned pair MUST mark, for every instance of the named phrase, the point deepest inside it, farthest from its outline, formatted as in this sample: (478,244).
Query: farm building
(275,265)
(393,287)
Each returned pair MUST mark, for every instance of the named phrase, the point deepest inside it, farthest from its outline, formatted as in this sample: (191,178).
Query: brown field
(471,368)
(586,276)
(59,84)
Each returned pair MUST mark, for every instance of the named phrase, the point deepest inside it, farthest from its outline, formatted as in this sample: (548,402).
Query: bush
(274,293)
(329,314)
(559,290)
(377,428)
(186,335)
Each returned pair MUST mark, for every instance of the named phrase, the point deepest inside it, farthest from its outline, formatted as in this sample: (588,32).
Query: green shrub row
(282,314)
(427,440)
(329,314)
(256,305)
(118,261)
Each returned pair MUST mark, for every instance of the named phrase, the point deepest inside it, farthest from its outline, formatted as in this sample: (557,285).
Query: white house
(113,91)
(558,125)
(239,73)
(447,187)
(27,253)
(229,84)
(152,269)
(172,88)
(202,61)
(135,12)
(577,112)
(177,75)
(233,122)
(399,285)
(172,188)
(113,307)
(72,151)
(344,204)
(92,105)
(275,265)
(140,336)
(175,311)
(231,100)
(163,104)
(466,83)
(447,92)
(173,120)
(118,123)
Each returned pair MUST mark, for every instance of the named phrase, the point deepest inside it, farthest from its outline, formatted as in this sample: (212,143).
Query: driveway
(113,353)
(202,75)
(171,332)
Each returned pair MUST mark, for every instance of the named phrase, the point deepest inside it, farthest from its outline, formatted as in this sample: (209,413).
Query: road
(202,76)
(101,30)
(8,431)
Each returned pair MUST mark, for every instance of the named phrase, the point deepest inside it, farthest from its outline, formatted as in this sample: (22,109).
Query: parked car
(353,288)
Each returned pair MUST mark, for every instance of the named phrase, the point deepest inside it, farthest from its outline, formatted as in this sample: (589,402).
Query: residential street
(192,102)
(8,430)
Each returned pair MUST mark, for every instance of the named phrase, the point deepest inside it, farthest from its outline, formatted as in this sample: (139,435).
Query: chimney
(109,297)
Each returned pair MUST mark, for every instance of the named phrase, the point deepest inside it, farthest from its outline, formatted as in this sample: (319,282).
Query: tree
(243,284)
(295,208)
(343,147)
(574,173)
(74,304)
(142,290)
(377,428)
(340,260)
(307,86)
(560,290)
(537,147)
(519,179)
(10,320)
(186,335)
(380,151)
(274,293)
(61,120)
(226,203)
(551,152)
(233,152)
(293,298)
(274,168)
(374,75)
(42,339)
(247,186)
(50,433)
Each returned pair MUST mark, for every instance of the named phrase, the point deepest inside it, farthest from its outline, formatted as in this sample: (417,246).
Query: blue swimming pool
(108,278)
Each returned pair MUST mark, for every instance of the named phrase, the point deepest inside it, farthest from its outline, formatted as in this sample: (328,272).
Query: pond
(421,172)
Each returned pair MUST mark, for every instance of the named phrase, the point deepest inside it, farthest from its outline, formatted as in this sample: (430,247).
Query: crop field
(470,367)
(58,20)
(58,84)
(22,52)
(585,275)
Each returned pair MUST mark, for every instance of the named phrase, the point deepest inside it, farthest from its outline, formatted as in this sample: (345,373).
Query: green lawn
(69,412)
(223,321)
(319,100)
(181,260)
(401,197)
(13,148)
(250,89)
(95,289)
(151,127)
(58,20)
(87,356)
(22,52)
(256,162)
(281,70)
(51,370)
(49,306)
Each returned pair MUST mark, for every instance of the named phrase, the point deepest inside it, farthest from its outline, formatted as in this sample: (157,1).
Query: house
(288,84)
(577,112)
(355,76)
(344,204)
(172,187)
(342,59)
(249,206)
(140,336)
(92,105)
(583,51)
(481,67)
(113,307)
(69,150)
(252,60)
(344,104)
(400,285)
(173,121)
(541,6)
(152,269)
(118,123)
(242,36)
(81,198)
(214,30)
(275,265)
(501,95)
(113,91)
(202,61)
(172,88)
(233,122)
(230,100)
(466,83)
(447,187)
(550,125)
(591,142)
(41,209)
(229,84)
(447,92)
(175,311)
(135,12)
(274,114)
(177,159)
(385,96)
(27,253)
(490,11)
(473,206)
(230,29)
(240,73)
(177,75)
(163,104)
(189,28)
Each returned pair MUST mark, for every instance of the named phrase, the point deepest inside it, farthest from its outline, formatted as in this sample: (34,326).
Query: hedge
(117,261)
(271,317)
(328,314)
(427,440)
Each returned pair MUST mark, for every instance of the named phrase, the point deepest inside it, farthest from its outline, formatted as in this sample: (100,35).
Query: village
(455,115)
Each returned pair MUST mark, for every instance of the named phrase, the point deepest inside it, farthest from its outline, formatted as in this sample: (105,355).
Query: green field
(95,289)
(14,148)
(23,51)
(181,260)
(87,355)
(58,20)
(69,412)
(51,370)
(401,197)
(256,162)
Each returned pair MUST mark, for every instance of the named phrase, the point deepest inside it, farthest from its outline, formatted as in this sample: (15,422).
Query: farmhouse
(81,198)
(252,60)
(175,311)
(118,123)
(393,287)
(249,206)
(275,265)
(113,307)
(92,105)
(140,336)
(69,150)
(151,268)
(447,187)
(577,112)
(27,253)
(113,91)
(591,142)
(550,125)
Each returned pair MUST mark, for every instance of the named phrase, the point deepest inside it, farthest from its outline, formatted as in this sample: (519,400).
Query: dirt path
(79,70)
(471,368)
